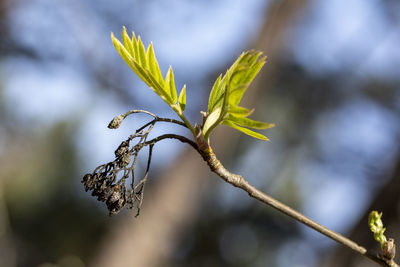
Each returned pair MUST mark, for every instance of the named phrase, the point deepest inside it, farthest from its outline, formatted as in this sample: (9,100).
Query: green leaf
(236,80)
(246,131)
(127,42)
(239,111)
(254,57)
(246,122)
(141,54)
(135,47)
(243,79)
(145,65)
(170,85)
(128,58)
(228,91)
(216,92)
(182,99)
(153,64)
(211,122)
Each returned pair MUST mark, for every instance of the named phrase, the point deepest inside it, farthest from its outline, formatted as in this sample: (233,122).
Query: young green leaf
(135,47)
(145,65)
(153,64)
(127,42)
(182,99)
(239,111)
(211,122)
(246,122)
(227,92)
(129,59)
(215,94)
(141,54)
(170,85)
(246,131)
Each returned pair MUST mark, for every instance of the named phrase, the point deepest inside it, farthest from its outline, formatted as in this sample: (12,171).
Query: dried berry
(107,182)
(88,181)
(116,201)
(122,150)
(124,160)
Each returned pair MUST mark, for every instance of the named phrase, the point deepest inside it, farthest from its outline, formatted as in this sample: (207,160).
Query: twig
(104,177)
(238,181)
(172,136)
(156,118)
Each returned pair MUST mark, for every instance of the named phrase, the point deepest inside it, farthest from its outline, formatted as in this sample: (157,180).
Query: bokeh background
(331,85)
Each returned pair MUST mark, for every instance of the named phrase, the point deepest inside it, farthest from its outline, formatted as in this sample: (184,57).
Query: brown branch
(238,181)
(202,146)
(156,118)
(172,136)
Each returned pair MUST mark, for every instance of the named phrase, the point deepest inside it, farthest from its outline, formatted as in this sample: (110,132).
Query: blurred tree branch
(7,248)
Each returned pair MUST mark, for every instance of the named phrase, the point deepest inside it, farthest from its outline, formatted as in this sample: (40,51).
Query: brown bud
(88,181)
(124,161)
(122,149)
(389,249)
(116,122)
(116,201)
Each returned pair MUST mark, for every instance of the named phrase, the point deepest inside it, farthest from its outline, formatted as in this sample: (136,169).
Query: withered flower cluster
(108,182)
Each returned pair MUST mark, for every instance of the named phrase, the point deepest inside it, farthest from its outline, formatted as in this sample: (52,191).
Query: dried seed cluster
(106,182)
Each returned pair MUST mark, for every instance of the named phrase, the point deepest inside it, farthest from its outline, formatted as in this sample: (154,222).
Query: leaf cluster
(227,92)
(144,63)
(376,225)
(225,96)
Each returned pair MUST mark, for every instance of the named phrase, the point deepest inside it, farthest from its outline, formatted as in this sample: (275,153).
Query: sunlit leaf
(246,122)
(135,47)
(215,93)
(127,42)
(145,65)
(211,121)
(142,54)
(227,93)
(246,131)
(128,58)
(182,99)
(170,85)
(153,64)
(240,111)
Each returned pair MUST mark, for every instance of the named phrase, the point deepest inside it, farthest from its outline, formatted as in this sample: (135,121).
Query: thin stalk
(185,120)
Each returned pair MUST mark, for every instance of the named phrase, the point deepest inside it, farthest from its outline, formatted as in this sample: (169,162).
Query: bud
(389,249)
(116,201)
(88,181)
(376,225)
(122,149)
(124,160)
(116,122)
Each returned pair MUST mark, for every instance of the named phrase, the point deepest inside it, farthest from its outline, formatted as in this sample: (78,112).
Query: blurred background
(331,85)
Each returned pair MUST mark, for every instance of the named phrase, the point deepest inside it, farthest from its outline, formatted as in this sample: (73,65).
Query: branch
(172,136)
(117,120)
(238,181)
(106,186)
